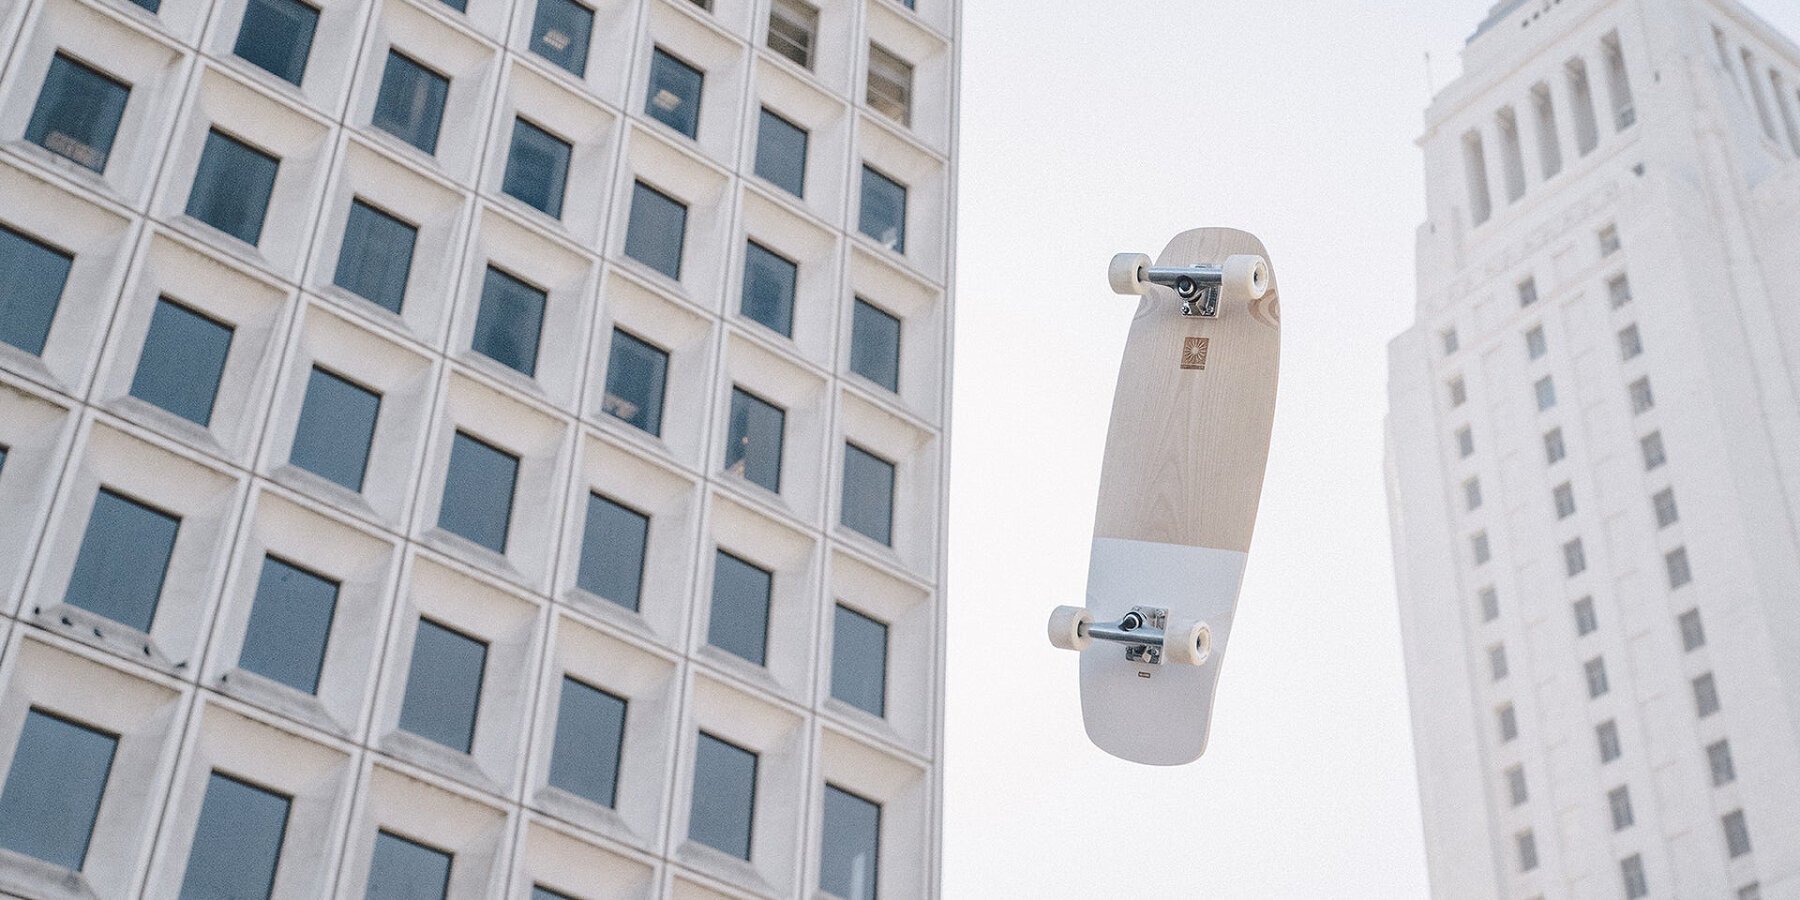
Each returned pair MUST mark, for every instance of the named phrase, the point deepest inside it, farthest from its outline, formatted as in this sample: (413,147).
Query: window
(237,843)
(478,492)
(1652,447)
(1631,869)
(781,151)
(1478,544)
(1515,785)
(458,5)
(290,623)
(1619,800)
(793,28)
(1535,345)
(612,552)
(1581,98)
(883,210)
(875,345)
(724,796)
(1465,442)
(1508,720)
(1472,494)
(1459,391)
(123,560)
(636,374)
(376,257)
(849,845)
(509,322)
(868,503)
(590,734)
(1676,562)
(1609,240)
(52,795)
(1630,344)
(753,442)
(1564,498)
(674,98)
(1554,448)
(1527,847)
(1706,695)
(1595,670)
(1618,290)
(336,429)
(1497,661)
(1574,558)
(1737,833)
(1490,604)
(182,362)
(1642,400)
(740,608)
(1606,735)
(770,280)
(32,277)
(1451,342)
(1512,154)
(1718,759)
(657,230)
(277,35)
(1618,83)
(410,105)
(560,33)
(1586,621)
(443,686)
(3,451)
(1545,391)
(859,660)
(77,113)
(890,85)
(1481,201)
(539,892)
(1528,292)
(1664,505)
(537,168)
(1693,634)
(406,870)
(232,187)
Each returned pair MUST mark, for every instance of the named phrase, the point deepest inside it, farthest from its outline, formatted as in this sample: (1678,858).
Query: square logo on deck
(1193,352)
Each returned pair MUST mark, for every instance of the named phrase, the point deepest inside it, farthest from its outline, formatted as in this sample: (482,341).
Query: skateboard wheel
(1126,274)
(1247,275)
(1187,642)
(1068,628)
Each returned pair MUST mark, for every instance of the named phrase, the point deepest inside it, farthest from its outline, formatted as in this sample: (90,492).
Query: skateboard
(1179,487)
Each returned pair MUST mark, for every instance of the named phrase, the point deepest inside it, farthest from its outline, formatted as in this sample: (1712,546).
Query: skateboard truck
(1146,632)
(1198,287)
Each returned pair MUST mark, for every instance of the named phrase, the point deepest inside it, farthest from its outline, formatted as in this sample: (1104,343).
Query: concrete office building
(473,448)
(1594,458)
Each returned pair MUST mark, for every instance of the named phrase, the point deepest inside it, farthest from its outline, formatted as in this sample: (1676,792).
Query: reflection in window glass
(32,277)
(509,322)
(410,105)
(590,729)
(183,361)
(237,844)
(478,492)
(657,230)
(537,168)
(290,624)
(560,33)
(859,661)
(232,187)
(636,374)
(277,35)
(123,560)
(884,210)
(770,280)
(336,429)
(739,623)
(753,442)
(875,345)
(612,552)
(850,845)
(868,503)
(781,153)
(52,794)
(77,113)
(443,686)
(724,796)
(375,259)
(674,97)
(407,870)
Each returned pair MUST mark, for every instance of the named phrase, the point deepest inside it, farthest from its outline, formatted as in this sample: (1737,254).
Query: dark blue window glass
(868,494)
(443,686)
(77,114)
(753,443)
(612,552)
(657,230)
(407,870)
(510,321)
(850,845)
(770,280)
(290,624)
(3,451)
(237,844)
(539,892)
(781,153)
(884,210)
(560,34)
(276,36)
(636,375)
(674,98)
(336,429)
(183,361)
(52,794)
(875,345)
(537,168)
(32,277)
(724,796)
(151,5)
(410,105)
(859,661)
(458,5)
(590,729)
(478,492)
(739,623)
(232,187)
(376,257)
(123,559)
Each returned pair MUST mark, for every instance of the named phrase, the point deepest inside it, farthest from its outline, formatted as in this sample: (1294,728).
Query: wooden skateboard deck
(1179,488)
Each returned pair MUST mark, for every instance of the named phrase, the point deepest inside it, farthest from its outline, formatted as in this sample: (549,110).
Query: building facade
(1593,458)
(474,448)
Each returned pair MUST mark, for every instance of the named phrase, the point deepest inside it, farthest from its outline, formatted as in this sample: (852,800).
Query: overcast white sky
(1096,127)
